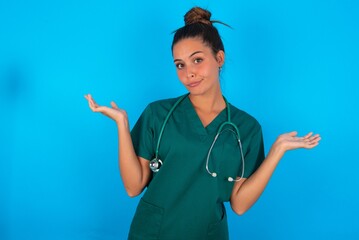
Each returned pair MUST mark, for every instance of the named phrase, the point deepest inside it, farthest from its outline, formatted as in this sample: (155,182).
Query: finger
(92,106)
(90,102)
(313,138)
(308,135)
(316,139)
(93,102)
(88,97)
(293,134)
(114,105)
(309,146)
(316,136)
(313,143)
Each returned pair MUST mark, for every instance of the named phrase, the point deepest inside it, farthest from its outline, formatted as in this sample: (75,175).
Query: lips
(194,84)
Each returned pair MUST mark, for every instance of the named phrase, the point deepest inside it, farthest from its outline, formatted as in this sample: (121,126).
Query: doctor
(197,166)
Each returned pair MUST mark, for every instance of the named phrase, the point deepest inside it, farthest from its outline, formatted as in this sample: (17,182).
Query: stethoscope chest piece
(155,164)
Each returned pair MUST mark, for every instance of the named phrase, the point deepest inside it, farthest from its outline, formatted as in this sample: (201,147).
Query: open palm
(290,141)
(113,112)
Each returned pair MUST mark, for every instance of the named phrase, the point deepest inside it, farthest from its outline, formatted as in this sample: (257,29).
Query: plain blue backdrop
(291,64)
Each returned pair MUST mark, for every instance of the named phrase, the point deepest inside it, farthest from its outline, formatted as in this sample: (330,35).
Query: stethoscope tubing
(214,174)
(156,162)
(165,123)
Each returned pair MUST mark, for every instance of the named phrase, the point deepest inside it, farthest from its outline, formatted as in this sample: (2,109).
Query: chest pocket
(147,222)
(225,158)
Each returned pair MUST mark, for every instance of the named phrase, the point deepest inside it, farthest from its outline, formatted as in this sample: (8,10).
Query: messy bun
(198,24)
(197,15)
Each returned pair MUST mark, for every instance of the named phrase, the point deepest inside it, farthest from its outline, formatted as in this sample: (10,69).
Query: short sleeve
(142,135)
(255,154)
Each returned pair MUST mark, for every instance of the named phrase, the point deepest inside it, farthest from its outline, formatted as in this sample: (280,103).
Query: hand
(290,141)
(113,112)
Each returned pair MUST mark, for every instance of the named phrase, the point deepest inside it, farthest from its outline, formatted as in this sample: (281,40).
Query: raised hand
(113,112)
(290,141)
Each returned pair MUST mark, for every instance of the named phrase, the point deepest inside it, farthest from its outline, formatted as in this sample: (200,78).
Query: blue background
(291,64)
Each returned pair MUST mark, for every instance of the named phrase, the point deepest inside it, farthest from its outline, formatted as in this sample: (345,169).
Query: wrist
(277,150)
(122,123)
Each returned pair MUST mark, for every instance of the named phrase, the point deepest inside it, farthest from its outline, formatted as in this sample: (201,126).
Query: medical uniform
(182,200)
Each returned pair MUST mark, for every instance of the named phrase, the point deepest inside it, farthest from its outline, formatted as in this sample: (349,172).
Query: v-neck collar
(197,123)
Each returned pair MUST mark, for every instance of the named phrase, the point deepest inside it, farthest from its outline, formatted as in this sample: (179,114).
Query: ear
(220,58)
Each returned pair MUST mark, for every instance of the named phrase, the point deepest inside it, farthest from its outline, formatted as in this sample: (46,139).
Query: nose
(190,73)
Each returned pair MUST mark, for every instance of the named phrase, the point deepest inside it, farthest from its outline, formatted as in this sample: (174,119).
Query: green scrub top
(182,200)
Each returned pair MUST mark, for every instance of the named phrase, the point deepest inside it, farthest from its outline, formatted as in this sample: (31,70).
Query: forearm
(134,170)
(129,164)
(246,194)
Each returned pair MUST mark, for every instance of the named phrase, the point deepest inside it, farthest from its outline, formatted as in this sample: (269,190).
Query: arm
(247,191)
(134,170)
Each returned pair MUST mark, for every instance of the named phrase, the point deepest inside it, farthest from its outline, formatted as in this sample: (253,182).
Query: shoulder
(163,104)
(159,109)
(156,111)
(244,119)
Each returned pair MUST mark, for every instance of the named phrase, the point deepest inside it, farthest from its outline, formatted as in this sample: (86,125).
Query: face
(197,67)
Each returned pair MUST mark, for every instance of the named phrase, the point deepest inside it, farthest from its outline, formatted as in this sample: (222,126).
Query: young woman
(194,152)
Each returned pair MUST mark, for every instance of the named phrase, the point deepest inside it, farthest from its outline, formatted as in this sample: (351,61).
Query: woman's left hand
(290,141)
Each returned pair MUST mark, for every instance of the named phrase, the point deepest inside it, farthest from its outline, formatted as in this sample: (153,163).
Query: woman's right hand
(113,112)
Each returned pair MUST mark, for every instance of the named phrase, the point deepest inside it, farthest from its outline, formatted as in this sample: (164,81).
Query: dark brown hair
(198,24)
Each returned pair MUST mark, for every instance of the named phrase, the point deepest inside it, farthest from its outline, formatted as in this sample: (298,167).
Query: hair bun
(197,15)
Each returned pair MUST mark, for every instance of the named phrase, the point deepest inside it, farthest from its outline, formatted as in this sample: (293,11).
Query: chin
(195,92)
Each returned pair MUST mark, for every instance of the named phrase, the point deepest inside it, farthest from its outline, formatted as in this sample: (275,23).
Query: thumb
(293,133)
(114,105)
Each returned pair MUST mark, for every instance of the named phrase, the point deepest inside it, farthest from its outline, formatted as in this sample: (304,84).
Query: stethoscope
(156,163)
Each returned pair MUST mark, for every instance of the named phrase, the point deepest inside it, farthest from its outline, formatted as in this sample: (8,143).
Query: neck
(208,102)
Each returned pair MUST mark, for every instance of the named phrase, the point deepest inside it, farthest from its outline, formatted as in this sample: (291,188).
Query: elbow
(239,210)
(132,192)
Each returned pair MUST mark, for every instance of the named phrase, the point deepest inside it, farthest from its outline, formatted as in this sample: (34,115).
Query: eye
(198,60)
(179,65)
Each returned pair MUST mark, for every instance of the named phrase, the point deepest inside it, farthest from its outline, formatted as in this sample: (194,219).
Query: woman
(198,162)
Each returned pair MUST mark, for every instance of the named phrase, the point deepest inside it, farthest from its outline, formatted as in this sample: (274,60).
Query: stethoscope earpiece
(229,179)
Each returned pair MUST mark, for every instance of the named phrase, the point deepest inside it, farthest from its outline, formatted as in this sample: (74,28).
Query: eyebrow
(189,55)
